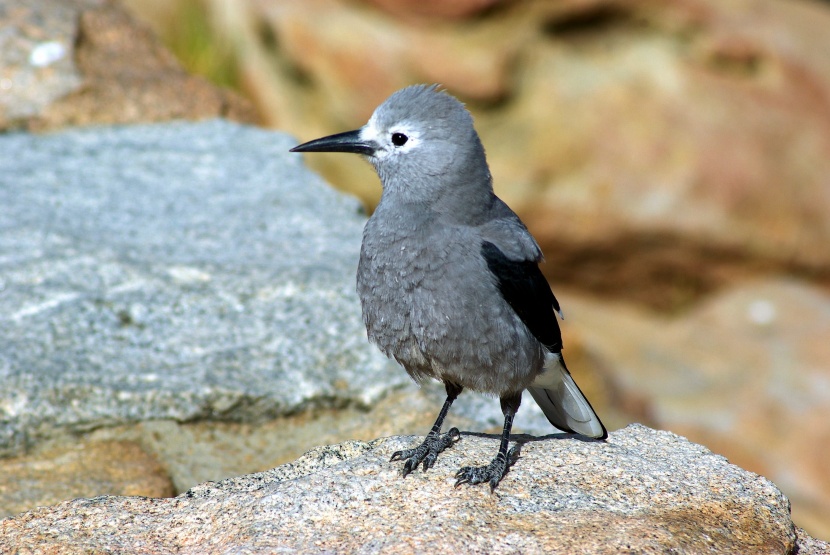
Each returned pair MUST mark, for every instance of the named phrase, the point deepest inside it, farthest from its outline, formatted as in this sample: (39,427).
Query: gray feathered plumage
(448,276)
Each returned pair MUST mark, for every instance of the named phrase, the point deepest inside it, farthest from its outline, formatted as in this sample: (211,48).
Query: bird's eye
(399,139)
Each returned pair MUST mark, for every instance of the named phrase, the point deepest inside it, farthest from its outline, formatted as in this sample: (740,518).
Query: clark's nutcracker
(449,278)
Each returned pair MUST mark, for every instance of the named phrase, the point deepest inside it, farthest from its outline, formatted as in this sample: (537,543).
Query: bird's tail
(563,403)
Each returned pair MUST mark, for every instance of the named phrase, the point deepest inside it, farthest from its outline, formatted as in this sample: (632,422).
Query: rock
(85,469)
(436,9)
(211,277)
(197,303)
(810,546)
(658,150)
(81,62)
(669,135)
(745,374)
(643,491)
(36,65)
(192,452)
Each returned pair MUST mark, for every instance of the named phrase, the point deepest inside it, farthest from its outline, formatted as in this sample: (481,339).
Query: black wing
(526,290)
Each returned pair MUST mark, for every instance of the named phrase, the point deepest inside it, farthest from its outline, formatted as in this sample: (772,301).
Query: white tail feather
(563,403)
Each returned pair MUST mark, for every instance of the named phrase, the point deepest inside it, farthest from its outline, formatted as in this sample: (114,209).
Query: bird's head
(422,143)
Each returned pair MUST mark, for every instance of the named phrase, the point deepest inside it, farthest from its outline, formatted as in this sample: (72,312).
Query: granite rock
(84,469)
(745,373)
(643,491)
(82,62)
(178,271)
(658,150)
(197,303)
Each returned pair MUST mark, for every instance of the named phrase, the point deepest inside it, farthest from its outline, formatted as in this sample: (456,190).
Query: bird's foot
(491,473)
(426,452)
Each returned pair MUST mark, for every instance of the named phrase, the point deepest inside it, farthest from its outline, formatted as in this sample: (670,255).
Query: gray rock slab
(179,271)
(642,491)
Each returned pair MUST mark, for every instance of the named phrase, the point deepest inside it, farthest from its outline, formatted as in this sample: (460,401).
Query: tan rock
(745,374)
(438,9)
(86,469)
(159,458)
(195,452)
(110,69)
(210,451)
(686,139)
(661,149)
(658,150)
(643,491)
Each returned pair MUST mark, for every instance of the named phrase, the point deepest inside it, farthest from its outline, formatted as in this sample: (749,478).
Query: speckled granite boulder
(643,491)
(180,271)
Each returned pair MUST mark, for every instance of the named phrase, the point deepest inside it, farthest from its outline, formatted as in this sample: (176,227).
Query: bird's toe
(491,473)
(427,452)
(401,455)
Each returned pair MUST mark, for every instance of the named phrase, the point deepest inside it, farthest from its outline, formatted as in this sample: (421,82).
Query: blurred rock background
(672,158)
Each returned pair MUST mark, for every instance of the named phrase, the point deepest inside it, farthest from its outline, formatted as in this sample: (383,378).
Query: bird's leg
(495,471)
(435,442)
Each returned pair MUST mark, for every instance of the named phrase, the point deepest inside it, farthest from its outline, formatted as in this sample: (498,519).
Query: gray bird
(448,276)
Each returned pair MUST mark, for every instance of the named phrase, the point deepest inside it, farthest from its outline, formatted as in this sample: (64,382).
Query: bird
(449,279)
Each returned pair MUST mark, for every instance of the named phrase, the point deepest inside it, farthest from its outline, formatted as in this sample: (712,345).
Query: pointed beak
(349,141)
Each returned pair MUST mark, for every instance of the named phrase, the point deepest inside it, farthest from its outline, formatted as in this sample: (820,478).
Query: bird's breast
(430,302)
(390,270)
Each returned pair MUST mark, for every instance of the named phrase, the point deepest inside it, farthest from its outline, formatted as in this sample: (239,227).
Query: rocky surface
(86,469)
(810,546)
(159,458)
(431,9)
(746,374)
(81,62)
(642,491)
(194,307)
(660,152)
(188,284)
(657,149)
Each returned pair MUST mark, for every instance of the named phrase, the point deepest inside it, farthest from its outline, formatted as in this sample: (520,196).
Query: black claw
(427,452)
(492,473)
(400,455)
(408,467)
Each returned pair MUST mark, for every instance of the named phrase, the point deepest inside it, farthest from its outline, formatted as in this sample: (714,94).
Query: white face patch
(371,133)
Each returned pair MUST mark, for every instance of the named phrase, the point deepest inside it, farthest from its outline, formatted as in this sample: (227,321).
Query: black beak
(349,141)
